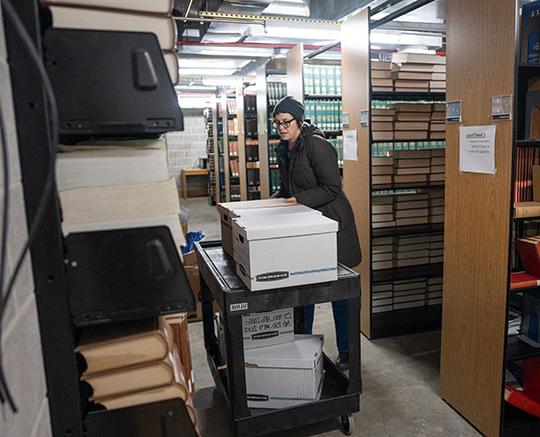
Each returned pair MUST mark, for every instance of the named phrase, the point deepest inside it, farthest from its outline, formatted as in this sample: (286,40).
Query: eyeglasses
(284,123)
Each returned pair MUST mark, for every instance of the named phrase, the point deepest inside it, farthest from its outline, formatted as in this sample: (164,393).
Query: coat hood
(308,130)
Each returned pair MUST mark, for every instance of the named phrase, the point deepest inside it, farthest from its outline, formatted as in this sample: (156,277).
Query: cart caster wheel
(347,424)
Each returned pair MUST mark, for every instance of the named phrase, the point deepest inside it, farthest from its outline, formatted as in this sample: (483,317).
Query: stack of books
(381,77)
(233,149)
(409,293)
(117,185)
(232,127)
(409,168)
(119,15)
(409,72)
(325,114)
(407,209)
(133,363)
(276,91)
(231,105)
(418,72)
(322,79)
(409,122)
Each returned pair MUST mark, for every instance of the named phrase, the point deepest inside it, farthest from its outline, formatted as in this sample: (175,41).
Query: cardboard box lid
(226,207)
(272,211)
(302,353)
(259,227)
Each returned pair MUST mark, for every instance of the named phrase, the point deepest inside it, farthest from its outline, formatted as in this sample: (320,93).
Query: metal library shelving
(62,308)
(317,83)
(215,156)
(478,351)
(394,308)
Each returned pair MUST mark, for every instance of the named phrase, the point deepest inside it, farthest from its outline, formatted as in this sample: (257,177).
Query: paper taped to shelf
(350,145)
(477,149)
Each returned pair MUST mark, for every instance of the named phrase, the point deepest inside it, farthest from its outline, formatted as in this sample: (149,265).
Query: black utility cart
(341,394)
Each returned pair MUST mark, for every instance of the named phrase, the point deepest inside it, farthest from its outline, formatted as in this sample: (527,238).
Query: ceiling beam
(400,12)
(383,6)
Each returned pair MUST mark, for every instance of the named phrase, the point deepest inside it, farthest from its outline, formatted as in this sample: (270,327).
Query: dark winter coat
(310,173)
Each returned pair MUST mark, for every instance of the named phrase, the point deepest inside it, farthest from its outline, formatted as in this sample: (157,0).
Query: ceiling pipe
(260,45)
(323,49)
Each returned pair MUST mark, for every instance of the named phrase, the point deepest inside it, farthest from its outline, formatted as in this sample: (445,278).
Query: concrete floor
(400,375)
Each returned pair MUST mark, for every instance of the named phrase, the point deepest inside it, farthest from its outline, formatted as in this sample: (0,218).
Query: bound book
(520,280)
(528,249)
(134,379)
(430,68)
(176,390)
(119,202)
(417,58)
(70,17)
(163,7)
(106,348)
(413,116)
(111,163)
(526,209)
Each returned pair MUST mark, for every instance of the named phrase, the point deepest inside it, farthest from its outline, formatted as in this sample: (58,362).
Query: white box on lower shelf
(268,328)
(285,250)
(285,375)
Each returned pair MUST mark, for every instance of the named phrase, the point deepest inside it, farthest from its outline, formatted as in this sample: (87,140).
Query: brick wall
(186,147)
(21,343)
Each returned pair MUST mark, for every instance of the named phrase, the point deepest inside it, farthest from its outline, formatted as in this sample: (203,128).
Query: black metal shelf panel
(406,321)
(523,219)
(407,185)
(322,97)
(409,141)
(528,143)
(401,273)
(429,228)
(519,350)
(528,70)
(397,96)
(332,133)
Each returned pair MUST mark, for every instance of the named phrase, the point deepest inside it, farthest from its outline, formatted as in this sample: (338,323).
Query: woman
(310,176)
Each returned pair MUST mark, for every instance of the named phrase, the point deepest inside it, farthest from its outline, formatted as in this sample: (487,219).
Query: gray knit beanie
(291,106)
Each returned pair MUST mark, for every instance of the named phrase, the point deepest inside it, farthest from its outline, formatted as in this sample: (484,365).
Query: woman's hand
(291,200)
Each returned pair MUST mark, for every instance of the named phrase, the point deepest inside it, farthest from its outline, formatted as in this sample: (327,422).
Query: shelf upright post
(357,174)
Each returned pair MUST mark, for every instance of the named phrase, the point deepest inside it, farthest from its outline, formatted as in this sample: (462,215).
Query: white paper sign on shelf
(350,145)
(477,149)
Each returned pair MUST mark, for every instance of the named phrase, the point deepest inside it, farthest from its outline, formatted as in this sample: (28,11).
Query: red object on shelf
(528,249)
(528,397)
(520,280)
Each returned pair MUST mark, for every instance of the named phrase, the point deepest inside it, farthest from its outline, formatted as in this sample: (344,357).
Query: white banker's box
(230,210)
(285,250)
(268,328)
(285,375)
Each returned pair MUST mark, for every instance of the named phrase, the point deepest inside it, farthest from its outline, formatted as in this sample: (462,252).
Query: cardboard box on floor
(285,250)
(285,375)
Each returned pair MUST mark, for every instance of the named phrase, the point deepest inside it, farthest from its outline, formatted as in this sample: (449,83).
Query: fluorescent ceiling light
(206,72)
(398,38)
(222,81)
(311,31)
(232,51)
(297,9)
(197,102)
(211,63)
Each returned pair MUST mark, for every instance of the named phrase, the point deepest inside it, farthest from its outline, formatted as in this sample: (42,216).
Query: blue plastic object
(191,239)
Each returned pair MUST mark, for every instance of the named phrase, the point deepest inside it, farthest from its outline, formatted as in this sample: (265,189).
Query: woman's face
(287,126)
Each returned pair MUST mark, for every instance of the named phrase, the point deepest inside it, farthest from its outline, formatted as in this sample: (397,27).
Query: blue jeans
(340,308)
